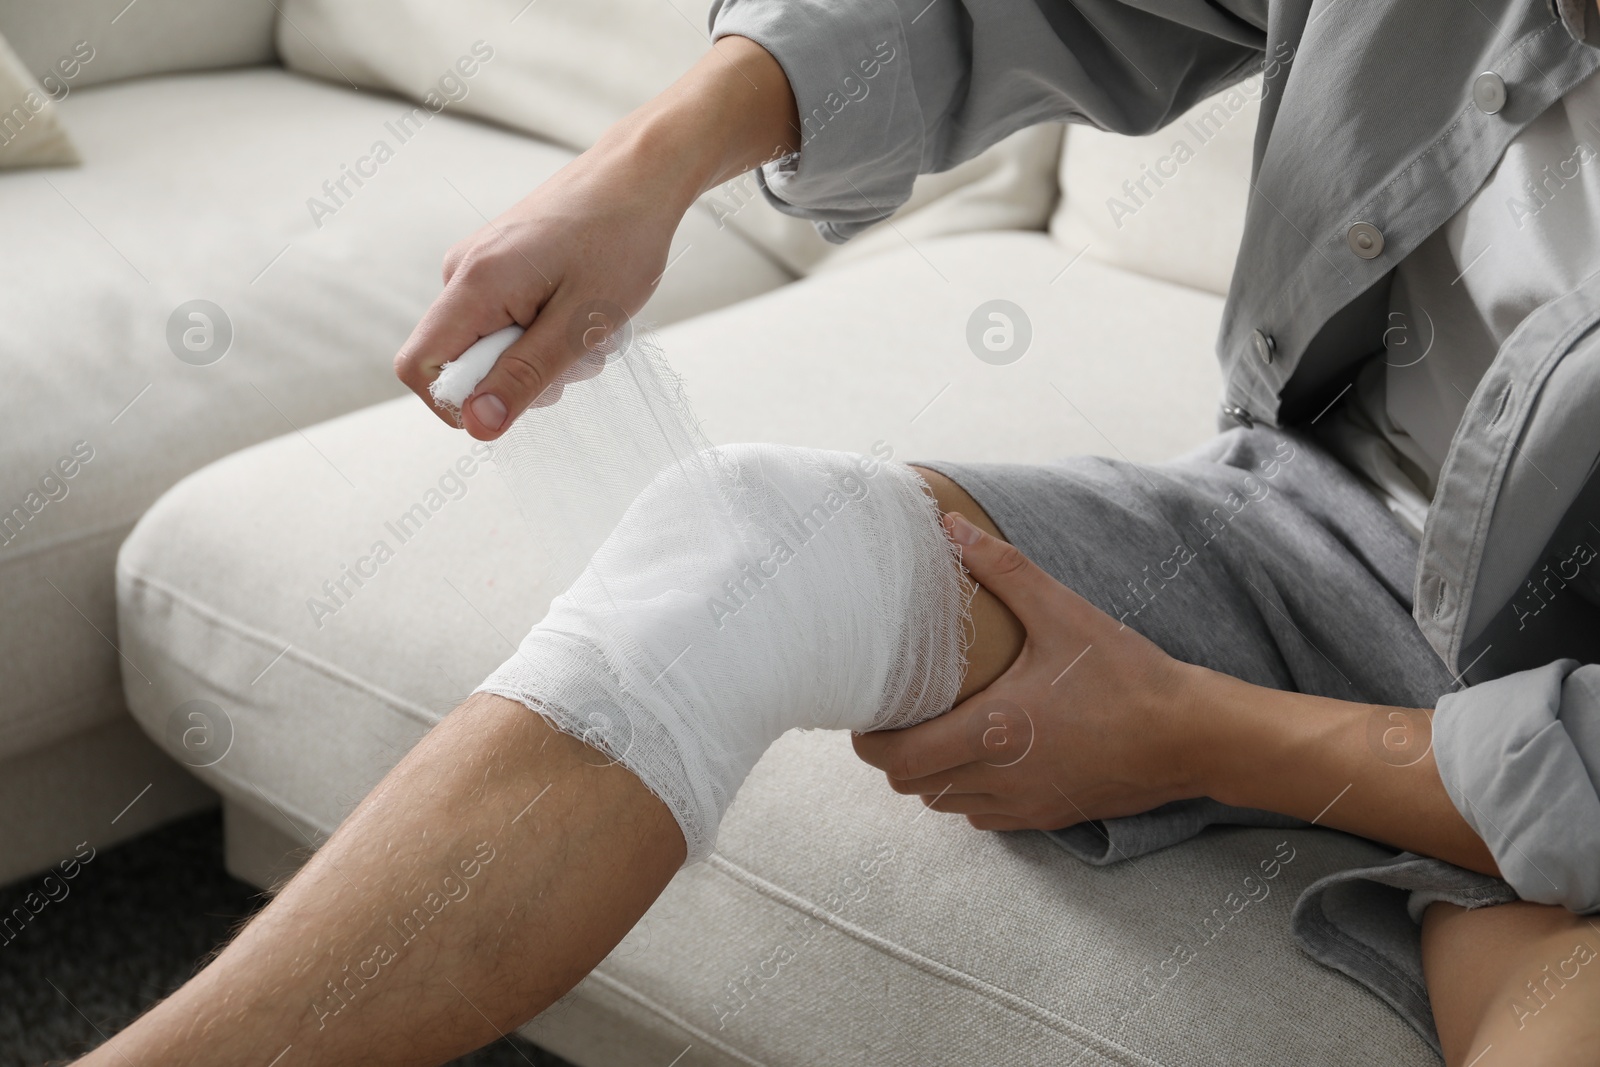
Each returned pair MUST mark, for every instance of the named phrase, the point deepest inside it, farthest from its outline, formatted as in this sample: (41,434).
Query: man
(1384,128)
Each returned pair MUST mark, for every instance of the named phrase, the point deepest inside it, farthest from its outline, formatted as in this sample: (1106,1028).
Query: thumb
(1000,567)
(537,362)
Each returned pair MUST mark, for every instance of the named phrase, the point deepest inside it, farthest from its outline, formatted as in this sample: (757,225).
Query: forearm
(1362,768)
(730,112)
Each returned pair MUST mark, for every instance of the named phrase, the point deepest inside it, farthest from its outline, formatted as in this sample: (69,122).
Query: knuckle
(527,378)
(460,254)
(474,269)
(901,765)
(1008,559)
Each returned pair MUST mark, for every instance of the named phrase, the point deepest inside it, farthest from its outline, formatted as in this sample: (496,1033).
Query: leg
(492,869)
(996,635)
(1513,984)
(545,891)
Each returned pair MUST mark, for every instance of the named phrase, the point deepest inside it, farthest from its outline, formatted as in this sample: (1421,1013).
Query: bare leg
(1513,984)
(491,870)
(996,636)
(528,899)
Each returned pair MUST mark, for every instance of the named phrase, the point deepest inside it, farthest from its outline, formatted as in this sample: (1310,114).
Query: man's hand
(1090,722)
(1093,721)
(590,241)
(586,249)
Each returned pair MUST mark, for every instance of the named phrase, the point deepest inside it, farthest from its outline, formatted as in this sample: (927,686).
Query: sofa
(161,651)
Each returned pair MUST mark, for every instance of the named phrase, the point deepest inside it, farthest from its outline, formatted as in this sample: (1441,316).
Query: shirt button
(1239,415)
(1366,240)
(1265,346)
(1489,92)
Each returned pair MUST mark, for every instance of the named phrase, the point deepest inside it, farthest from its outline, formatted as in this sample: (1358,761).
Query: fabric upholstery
(836,923)
(131,40)
(210,203)
(564,70)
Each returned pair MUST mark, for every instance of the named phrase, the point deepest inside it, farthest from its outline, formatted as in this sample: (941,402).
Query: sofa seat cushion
(196,187)
(836,924)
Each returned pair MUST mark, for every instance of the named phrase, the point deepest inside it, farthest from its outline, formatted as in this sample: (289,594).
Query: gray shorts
(1261,556)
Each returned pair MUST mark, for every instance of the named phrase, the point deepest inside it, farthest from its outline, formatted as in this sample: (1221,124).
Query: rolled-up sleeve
(1520,758)
(889,89)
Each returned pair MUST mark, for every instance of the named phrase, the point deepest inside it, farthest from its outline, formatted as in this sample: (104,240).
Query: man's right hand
(590,244)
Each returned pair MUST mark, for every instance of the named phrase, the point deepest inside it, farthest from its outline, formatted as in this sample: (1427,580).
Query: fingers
(522,372)
(953,803)
(989,811)
(932,747)
(448,328)
(1000,567)
(565,344)
(1000,822)
(1032,595)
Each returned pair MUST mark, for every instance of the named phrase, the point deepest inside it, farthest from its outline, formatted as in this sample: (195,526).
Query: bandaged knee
(720,596)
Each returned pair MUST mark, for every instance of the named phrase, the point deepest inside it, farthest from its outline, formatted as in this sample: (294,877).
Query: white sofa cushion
(209,201)
(133,39)
(564,70)
(1171,204)
(883,937)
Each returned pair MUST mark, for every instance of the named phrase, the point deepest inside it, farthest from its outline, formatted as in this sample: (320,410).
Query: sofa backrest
(69,44)
(564,70)
(1169,205)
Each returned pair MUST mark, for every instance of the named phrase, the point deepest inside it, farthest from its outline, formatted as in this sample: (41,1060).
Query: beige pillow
(564,70)
(1169,205)
(31,135)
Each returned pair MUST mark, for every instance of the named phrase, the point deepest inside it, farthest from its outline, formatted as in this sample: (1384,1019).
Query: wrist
(1200,733)
(652,158)
(1244,740)
(729,113)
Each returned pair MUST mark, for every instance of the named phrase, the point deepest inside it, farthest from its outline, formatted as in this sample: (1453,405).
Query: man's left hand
(1090,722)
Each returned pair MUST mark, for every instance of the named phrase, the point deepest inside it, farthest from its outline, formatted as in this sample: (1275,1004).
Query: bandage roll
(719,596)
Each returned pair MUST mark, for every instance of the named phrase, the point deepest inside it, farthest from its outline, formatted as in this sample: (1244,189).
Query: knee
(1523,977)
(748,590)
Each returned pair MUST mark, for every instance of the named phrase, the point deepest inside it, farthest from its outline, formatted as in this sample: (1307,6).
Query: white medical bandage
(734,593)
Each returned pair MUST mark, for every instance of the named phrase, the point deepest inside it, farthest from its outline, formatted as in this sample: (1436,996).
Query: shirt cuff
(1520,758)
(862,131)
(1579,22)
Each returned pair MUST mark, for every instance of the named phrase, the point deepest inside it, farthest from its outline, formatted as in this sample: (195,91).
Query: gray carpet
(133,927)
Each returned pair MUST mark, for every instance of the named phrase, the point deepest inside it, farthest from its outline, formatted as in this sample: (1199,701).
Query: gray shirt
(1530,234)
(1379,121)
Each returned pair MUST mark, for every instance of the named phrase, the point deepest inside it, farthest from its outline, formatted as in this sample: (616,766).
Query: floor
(133,925)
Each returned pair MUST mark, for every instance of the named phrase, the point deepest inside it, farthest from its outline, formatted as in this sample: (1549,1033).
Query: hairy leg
(1513,984)
(491,870)
(481,879)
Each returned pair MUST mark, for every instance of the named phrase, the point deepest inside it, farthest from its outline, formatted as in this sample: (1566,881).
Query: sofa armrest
(128,40)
